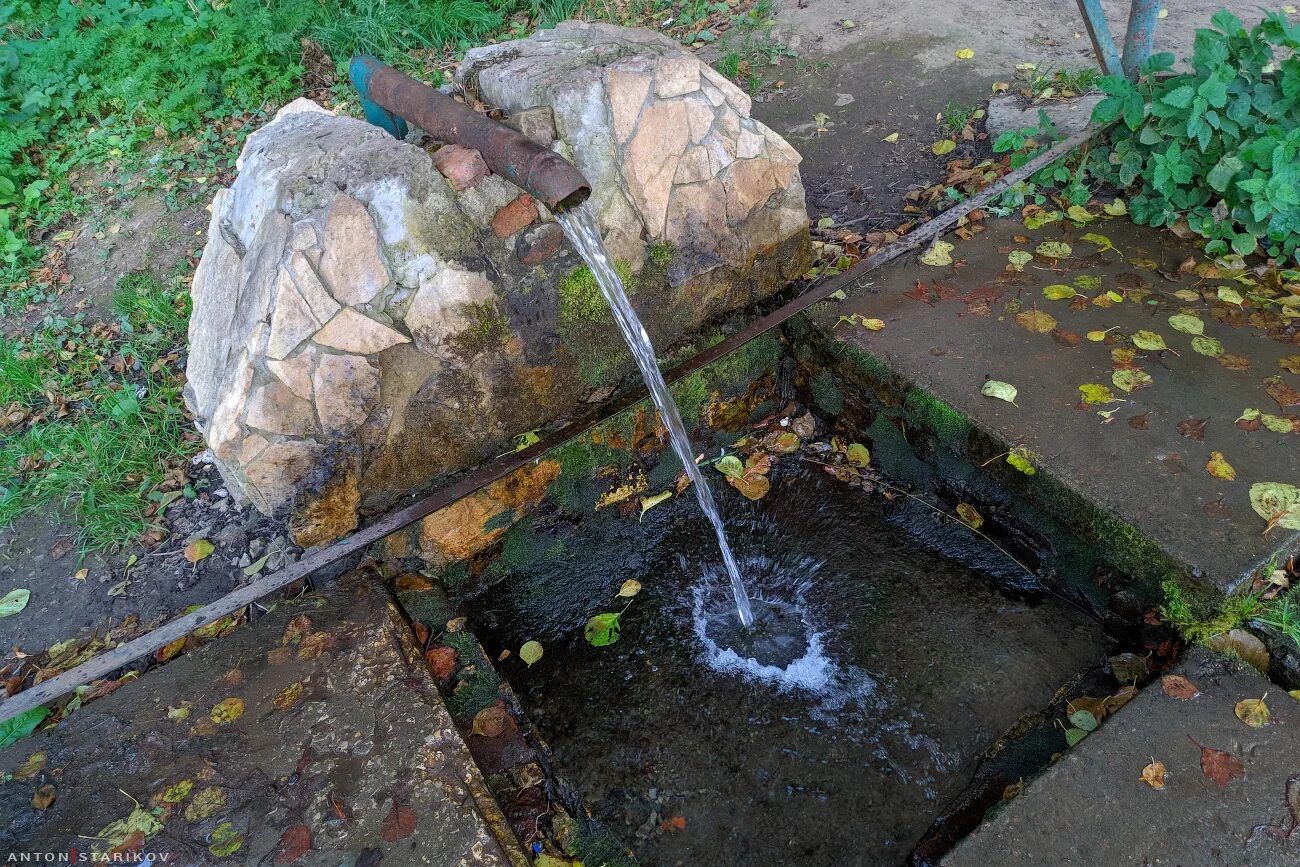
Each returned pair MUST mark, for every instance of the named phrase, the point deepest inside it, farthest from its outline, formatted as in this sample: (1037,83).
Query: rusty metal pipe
(544,174)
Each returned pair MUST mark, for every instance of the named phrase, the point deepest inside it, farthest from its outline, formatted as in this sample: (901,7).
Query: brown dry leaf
(198,550)
(169,651)
(753,485)
(1139,422)
(1193,428)
(1038,321)
(1179,687)
(1253,712)
(398,824)
(296,629)
(970,515)
(1290,363)
(1154,774)
(294,843)
(1098,707)
(34,765)
(1233,361)
(45,797)
(1219,467)
(676,823)
(289,696)
(441,661)
(491,721)
(1284,394)
(1219,766)
(1241,643)
(315,644)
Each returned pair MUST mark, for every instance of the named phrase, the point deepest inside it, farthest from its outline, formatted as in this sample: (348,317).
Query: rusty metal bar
(392,98)
(1103,44)
(138,648)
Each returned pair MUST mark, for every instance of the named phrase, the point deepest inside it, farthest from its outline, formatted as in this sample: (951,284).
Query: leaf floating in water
(970,515)
(1084,719)
(1290,363)
(1207,346)
(1096,336)
(14,601)
(1281,392)
(1253,712)
(1037,321)
(1095,393)
(731,467)
(1129,379)
(1154,774)
(1074,735)
(1230,296)
(648,503)
(939,254)
(1059,292)
(858,455)
(1220,767)
(1053,250)
(1102,242)
(531,652)
(1193,428)
(1018,259)
(602,629)
(1179,687)
(1148,340)
(1219,467)
(630,588)
(1000,390)
(1186,323)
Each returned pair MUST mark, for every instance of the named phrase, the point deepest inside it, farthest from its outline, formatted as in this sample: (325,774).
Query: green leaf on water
(1022,459)
(1128,379)
(648,503)
(1149,341)
(1084,719)
(1095,393)
(1187,323)
(1207,346)
(1001,390)
(602,629)
(1053,249)
(1038,219)
(531,652)
(226,840)
(731,466)
(14,601)
(1101,241)
(21,726)
(1230,296)
(857,454)
(1079,214)
(1018,259)
(1059,292)
(1277,502)
(1073,736)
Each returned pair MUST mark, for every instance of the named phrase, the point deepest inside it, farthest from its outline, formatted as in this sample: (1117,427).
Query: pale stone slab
(346,387)
(350,264)
(354,332)
(274,408)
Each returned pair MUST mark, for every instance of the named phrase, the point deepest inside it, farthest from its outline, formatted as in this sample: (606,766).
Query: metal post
(1099,32)
(1141,34)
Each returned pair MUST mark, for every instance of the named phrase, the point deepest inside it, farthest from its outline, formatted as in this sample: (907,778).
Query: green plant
(955,116)
(1063,83)
(1219,145)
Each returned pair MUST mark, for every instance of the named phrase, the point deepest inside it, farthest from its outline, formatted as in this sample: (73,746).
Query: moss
(581,298)
(478,683)
(827,396)
(504,518)
(454,577)
(864,361)
(661,255)
(597,847)
(1199,617)
(950,426)
(488,329)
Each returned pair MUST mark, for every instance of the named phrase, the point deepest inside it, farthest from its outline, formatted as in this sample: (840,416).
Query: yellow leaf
(1154,774)
(1095,393)
(1079,214)
(1116,208)
(1053,249)
(1059,292)
(965,53)
(858,455)
(648,503)
(1253,712)
(198,550)
(1219,467)
(227,711)
(970,515)
(873,324)
(1001,390)
(891,138)
(630,588)
(1100,240)
(1036,320)
(943,146)
(938,255)
(530,652)
(1096,336)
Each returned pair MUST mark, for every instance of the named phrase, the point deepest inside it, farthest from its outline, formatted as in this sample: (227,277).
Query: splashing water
(579,225)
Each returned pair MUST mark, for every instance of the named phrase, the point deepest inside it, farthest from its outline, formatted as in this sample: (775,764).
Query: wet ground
(1145,451)
(915,664)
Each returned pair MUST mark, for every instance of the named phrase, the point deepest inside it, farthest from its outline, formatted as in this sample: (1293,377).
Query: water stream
(579,225)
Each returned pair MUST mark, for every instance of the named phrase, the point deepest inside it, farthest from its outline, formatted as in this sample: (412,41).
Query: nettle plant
(1217,145)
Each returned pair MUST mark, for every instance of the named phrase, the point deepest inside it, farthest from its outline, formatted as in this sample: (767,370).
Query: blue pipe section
(1141,34)
(360,70)
(1099,32)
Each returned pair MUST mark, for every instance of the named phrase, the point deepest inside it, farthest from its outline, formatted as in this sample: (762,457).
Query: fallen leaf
(289,696)
(226,840)
(1291,363)
(1229,296)
(1084,719)
(1117,208)
(1103,243)
(227,711)
(1059,292)
(943,146)
(873,324)
(1130,380)
(630,588)
(1232,361)
(1281,392)
(398,824)
(492,721)
(441,661)
(1187,323)
(1128,667)
(1179,687)
(1074,735)
(730,466)
(198,550)
(970,515)
(938,255)
(1148,340)
(1022,459)
(1220,767)
(1018,259)
(1053,250)
(1037,321)
(14,601)
(1243,645)
(1139,422)
(754,486)
(1219,467)
(44,797)
(891,138)
(1207,346)
(176,792)
(1001,390)
(531,652)
(676,823)
(1154,774)
(206,804)
(1193,428)
(858,455)
(1094,393)
(648,503)
(602,629)
(1253,712)
(294,843)
(1096,336)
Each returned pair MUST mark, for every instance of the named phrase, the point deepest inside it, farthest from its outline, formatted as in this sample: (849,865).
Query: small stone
(276,409)
(677,76)
(350,264)
(537,123)
(346,387)
(514,216)
(357,333)
(463,167)
(540,243)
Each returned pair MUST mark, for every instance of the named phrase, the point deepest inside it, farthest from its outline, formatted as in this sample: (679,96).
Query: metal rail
(140,647)
(1138,37)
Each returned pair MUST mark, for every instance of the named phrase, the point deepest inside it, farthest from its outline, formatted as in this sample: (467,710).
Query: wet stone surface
(1093,807)
(694,755)
(1142,456)
(313,736)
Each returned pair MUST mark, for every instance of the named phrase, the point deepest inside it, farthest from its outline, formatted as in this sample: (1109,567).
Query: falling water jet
(579,225)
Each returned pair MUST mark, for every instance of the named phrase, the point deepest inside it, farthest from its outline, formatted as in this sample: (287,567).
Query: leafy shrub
(1217,145)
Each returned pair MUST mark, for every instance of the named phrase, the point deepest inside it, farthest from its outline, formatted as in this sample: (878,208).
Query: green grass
(107,414)
(1199,621)
(955,117)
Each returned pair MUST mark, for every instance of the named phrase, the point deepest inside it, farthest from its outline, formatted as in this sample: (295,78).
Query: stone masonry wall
(372,314)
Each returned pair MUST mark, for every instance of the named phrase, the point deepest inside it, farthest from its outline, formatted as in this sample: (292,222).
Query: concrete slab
(1117,479)
(1093,808)
(314,736)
